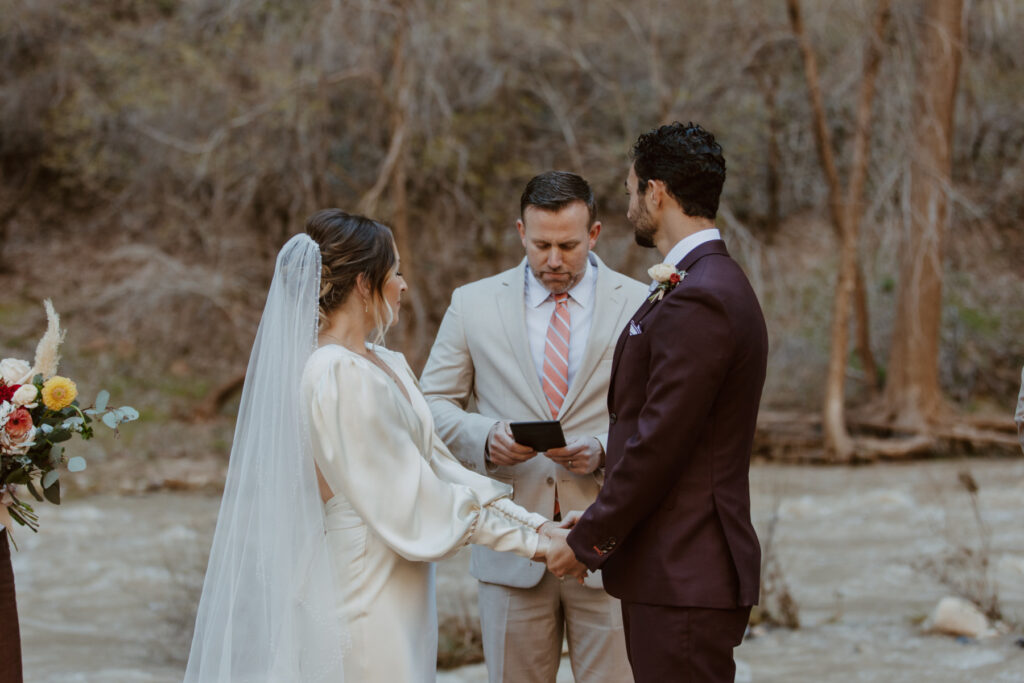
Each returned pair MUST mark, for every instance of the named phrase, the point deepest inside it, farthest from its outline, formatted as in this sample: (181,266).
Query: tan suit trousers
(523,629)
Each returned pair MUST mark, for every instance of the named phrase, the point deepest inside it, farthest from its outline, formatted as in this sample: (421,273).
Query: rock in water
(957,617)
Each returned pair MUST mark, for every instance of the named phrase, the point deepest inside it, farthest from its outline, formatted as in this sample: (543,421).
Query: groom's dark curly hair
(688,160)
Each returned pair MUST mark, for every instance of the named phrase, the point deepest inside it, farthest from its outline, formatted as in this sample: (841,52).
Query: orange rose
(19,423)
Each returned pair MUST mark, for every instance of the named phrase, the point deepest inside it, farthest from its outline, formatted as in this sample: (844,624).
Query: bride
(338,495)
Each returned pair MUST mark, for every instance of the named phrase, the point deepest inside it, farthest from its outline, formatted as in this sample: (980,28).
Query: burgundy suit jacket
(671,525)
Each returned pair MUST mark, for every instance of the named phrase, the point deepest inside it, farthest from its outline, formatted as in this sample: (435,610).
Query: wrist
(487,445)
(543,547)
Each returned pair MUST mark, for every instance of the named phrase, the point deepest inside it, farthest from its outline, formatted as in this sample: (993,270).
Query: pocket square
(634,329)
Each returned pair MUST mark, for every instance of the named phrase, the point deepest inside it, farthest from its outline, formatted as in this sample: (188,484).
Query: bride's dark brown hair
(351,245)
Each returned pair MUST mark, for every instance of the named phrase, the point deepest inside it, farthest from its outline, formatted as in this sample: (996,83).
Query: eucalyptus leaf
(55,455)
(45,428)
(110,419)
(50,478)
(53,493)
(128,413)
(32,490)
(59,435)
(76,464)
(101,400)
(18,476)
(92,412)
(75,421)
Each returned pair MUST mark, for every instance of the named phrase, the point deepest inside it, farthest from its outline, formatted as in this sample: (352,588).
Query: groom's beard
(644,228)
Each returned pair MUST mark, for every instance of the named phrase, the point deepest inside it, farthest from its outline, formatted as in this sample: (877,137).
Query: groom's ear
(656,192)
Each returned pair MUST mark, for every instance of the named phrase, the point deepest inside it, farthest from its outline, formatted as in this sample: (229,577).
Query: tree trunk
(857,180)
(860,309)
(846,216)
(392,180)
(768,83)
(913,397)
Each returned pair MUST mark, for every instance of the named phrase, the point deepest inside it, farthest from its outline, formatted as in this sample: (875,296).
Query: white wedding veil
(267,611)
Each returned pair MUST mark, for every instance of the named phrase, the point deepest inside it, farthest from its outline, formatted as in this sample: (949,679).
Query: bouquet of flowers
(39,411)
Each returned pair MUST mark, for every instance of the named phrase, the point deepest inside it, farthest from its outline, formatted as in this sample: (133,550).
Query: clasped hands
(558,556)
(580,455)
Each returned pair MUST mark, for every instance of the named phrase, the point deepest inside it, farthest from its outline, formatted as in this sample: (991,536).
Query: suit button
(551,481)
(612,418)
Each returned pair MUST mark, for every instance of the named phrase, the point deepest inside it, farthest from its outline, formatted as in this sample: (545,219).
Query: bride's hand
(543,546)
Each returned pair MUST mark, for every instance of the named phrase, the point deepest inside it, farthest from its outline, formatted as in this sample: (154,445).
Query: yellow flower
(59,392)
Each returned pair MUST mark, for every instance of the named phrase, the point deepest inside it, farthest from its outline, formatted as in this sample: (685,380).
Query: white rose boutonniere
(667,277)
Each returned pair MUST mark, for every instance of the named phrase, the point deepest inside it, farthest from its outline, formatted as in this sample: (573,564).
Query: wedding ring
(570,463)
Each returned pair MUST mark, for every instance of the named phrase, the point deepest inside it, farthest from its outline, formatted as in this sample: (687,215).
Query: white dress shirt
(540,306)
(688,244)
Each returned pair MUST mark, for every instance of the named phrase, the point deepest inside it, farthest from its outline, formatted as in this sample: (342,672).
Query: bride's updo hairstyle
(350,245)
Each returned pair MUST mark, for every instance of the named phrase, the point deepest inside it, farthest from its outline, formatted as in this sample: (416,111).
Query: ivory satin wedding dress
(401,501)
(305,592)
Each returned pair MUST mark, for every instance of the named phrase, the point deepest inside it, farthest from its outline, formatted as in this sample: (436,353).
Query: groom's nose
(554,259)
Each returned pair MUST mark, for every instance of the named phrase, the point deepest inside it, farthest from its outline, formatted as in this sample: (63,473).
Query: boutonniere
(667,277)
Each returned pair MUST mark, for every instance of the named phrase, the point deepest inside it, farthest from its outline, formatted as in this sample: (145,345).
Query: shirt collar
(691,242)
(582,292)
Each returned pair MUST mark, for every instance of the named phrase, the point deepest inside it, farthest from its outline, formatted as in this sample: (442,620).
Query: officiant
(535,343)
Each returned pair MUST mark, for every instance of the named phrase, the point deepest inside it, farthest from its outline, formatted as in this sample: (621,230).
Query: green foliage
(196,136)
(37,463)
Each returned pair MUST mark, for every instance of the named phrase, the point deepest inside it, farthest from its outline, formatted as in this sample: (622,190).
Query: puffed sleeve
(366,449)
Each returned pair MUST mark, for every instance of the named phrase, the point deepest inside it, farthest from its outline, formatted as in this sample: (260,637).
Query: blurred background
(155,154)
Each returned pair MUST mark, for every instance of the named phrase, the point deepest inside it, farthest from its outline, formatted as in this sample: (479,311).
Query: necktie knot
(561,298)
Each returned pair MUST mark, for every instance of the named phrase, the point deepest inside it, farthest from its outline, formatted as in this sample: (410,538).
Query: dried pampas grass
(48,349)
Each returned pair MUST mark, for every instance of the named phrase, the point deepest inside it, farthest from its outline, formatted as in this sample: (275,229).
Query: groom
(671,528)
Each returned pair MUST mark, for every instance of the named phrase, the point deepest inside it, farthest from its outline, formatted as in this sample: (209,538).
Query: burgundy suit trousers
(682,644)
(10,636)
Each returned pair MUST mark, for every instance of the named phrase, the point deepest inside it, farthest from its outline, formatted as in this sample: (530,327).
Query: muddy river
(107,590)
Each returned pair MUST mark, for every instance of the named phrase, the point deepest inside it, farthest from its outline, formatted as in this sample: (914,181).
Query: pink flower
(19,423)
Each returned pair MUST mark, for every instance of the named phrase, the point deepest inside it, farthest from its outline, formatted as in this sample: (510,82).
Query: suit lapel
(702,250)
(512,306)
(696,254)
(608,304)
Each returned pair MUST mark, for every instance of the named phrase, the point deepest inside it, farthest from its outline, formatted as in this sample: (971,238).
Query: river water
(107,590)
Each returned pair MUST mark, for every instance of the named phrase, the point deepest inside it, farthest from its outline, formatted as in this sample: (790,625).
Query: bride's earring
(366,306)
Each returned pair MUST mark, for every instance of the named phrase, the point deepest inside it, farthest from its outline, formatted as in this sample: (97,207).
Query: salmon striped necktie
(556,365)
(556,355)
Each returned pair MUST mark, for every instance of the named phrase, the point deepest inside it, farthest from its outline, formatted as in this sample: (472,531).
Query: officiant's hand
(582,455)
(502,449)
(560,559)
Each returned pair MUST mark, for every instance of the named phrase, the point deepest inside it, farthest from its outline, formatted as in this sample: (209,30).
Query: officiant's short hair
(688,160)
(555,190)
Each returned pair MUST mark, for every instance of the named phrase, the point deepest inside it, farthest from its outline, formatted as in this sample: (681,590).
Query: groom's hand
(569,520)
(503,450)
(560,559)
(581,455)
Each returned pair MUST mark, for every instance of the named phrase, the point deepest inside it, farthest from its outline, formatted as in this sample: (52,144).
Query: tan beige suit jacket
(481,371)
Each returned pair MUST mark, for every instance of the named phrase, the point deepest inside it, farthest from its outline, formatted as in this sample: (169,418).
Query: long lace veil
(267,607)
